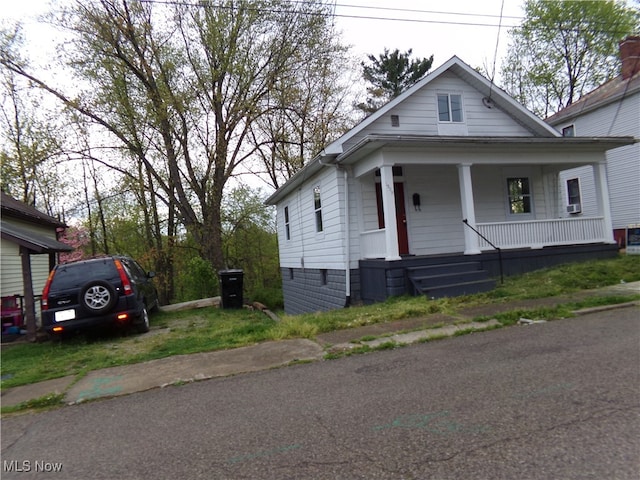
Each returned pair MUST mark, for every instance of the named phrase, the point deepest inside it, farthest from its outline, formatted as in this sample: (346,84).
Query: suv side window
(134,270)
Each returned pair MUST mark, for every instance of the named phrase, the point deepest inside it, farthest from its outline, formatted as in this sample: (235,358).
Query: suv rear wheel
(142,325)
(98,296)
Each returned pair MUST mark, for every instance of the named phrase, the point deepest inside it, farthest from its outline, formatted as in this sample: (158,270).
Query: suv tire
(98,296)
(142,326)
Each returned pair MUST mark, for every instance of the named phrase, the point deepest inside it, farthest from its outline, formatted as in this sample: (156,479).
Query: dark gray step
(443,268)
(423,282)
(456,290)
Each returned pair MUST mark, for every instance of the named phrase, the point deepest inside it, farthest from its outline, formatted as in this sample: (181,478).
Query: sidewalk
(179,369)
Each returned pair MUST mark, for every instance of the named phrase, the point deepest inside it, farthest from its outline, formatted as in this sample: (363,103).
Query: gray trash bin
(231,288)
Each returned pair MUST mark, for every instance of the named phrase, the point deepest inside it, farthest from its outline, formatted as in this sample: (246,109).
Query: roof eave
(379,141)
(324,159)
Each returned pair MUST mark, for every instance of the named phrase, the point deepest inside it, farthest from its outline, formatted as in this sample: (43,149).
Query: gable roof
(612,91)
(17,209)
(494,95)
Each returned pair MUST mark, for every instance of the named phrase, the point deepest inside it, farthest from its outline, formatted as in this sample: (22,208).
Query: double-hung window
(317,205)
(519,195)
(450,107)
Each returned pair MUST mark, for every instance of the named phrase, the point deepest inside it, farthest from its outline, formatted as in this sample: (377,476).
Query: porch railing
(373,244)
(541,233)
(505,235)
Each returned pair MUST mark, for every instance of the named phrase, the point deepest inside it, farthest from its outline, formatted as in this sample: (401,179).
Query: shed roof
(17,209)
(34,242)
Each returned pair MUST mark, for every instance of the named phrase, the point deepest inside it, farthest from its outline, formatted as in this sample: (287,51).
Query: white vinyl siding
(419,116)
(437,226)
(623,164)
(308,248)
(490,192)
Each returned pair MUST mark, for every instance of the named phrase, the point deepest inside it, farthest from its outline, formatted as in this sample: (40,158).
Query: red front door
(401,215)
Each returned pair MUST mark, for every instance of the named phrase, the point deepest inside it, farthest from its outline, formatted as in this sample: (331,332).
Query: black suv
(104,291)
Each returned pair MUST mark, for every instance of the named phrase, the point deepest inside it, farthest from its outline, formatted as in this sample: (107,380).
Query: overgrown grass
(214,329)
(570,278)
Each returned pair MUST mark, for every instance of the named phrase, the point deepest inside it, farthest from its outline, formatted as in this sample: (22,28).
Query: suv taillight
(45,291)
(126,284)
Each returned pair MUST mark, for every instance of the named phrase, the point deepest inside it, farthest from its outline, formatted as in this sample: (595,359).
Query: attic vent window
(395,121)
(569,131)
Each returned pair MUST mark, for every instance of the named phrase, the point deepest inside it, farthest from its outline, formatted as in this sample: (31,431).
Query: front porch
(381,279)
(513,235)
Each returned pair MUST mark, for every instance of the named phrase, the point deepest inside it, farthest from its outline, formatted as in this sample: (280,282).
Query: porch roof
(374,142)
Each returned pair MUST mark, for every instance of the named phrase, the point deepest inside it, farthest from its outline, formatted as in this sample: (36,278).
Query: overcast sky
(466,28)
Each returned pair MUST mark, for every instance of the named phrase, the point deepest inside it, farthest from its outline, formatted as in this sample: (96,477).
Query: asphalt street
(551,400)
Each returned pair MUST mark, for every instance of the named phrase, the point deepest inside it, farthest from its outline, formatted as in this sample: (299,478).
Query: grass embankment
(210,329)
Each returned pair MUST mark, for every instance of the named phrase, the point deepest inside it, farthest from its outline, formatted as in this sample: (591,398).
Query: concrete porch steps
(450,279)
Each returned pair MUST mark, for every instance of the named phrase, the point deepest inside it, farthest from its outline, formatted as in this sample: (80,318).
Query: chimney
(630,56)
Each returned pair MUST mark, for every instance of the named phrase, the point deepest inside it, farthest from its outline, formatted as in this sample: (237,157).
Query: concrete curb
(418,336)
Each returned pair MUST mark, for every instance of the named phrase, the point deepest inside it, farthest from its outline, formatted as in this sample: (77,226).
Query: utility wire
(495,53)
(353,16)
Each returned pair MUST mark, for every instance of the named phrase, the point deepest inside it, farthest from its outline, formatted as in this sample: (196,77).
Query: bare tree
(31,143)
(177,87)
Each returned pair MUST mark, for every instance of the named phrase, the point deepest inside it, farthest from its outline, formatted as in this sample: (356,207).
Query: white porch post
(389,212)
(471,244)
(602,192)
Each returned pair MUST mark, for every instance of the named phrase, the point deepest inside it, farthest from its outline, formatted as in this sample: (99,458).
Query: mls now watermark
(26,466)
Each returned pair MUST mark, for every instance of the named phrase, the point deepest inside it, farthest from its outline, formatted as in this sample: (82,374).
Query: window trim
(568,192)
(510,212)
(287,223)
(450,108)
(317,208)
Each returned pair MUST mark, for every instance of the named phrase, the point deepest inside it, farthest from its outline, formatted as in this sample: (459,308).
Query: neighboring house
(29,247)
(611,109)
(388,208)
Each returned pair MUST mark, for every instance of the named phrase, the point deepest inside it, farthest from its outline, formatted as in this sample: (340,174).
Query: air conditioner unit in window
(574,208)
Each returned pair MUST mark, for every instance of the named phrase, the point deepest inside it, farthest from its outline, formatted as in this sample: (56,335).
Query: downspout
(347,272)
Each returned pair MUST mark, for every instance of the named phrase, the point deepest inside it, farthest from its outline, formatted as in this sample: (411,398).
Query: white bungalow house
(611,109)
(415,198)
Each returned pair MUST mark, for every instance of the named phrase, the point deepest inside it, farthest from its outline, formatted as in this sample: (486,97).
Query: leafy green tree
(309,108)
(390,74)
(250,243)
(564,49)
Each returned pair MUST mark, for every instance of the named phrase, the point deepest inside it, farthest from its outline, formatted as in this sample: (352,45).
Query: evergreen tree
(390,74)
